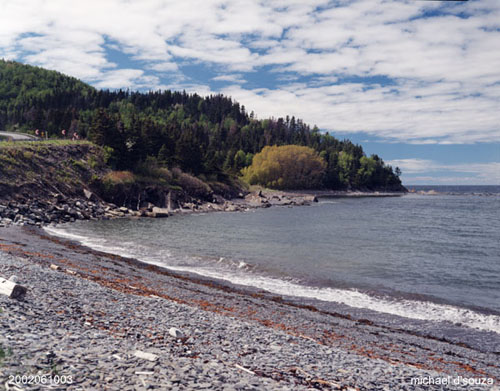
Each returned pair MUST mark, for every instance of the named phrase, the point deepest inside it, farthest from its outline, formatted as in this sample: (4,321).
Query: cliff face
(62,181)
(58,172)
(38,170)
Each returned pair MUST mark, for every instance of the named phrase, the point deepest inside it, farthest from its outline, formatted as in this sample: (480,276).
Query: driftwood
(145,355)
(11,289)
(244,369)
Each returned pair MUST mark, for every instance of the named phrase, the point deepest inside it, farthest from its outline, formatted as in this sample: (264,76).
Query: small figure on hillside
(37,133)
(63,132)
(75,136)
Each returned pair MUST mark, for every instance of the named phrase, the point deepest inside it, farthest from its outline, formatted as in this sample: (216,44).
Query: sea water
(432,255)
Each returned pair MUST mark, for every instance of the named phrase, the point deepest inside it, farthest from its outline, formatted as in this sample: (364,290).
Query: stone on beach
(175,332)
(146,355)
(239,340)
(11,289)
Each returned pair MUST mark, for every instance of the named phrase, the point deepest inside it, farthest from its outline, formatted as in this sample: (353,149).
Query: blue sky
(417,82)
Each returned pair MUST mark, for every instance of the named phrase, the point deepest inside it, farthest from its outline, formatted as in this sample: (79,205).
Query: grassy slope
(37,169)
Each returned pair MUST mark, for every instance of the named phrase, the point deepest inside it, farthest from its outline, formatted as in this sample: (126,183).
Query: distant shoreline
(347,193)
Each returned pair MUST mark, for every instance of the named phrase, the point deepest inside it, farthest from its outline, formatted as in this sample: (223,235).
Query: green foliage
(212,136)
(153,171)
(240,160)
(25,91)
(92,162)
(79,165)
(286,167)
(108,153)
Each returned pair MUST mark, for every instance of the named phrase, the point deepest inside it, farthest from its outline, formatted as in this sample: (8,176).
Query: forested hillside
(210,137)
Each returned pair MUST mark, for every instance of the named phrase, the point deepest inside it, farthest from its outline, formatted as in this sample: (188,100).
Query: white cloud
(127,78)
(164,67)
(445,69)
(414,171)
(414,166)
(234,78)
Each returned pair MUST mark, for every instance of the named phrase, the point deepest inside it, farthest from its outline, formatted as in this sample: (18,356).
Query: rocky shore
(59,209)
(102,322)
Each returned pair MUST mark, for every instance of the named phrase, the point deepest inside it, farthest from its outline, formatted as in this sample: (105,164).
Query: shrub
(118,177)
(28,155)
(286,167)
(151,169)
(192,185)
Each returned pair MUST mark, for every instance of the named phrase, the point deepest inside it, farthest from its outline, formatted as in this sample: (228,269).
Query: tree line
(212,136)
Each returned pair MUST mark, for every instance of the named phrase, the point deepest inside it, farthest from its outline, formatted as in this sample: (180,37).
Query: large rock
(11,289)
(310,198)
(89,195)
(176,333)
(159,212)
(257,200)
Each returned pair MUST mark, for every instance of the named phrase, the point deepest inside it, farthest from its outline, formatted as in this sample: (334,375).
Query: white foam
(64,234)
(405,308)
(94,243)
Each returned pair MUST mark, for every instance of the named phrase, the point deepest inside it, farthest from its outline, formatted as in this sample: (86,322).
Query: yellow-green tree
(286,167)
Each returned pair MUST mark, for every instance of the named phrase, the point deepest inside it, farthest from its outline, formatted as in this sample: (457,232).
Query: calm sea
(432,255)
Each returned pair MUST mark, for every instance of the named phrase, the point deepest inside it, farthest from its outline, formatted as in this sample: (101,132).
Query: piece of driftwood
(244,369)
(146,355)
(11,289)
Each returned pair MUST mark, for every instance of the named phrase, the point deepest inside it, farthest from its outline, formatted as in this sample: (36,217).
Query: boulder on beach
(175,332)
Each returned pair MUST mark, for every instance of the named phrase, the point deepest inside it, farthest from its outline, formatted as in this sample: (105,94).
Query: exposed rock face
(40,170)
(89,195)
(44,183)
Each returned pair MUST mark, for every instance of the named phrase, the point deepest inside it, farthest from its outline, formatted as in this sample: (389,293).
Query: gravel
(103,337)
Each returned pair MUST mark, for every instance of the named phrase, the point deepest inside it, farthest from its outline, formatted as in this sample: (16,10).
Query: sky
(416,82)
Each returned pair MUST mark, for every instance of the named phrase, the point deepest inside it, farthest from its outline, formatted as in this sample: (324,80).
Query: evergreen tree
(201,135)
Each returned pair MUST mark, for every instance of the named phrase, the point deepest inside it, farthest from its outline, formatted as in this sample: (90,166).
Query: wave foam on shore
(413,309)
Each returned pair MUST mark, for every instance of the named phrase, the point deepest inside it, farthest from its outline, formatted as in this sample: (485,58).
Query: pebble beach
(97,321)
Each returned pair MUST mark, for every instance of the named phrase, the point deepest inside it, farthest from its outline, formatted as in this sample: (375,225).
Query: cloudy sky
(415,81)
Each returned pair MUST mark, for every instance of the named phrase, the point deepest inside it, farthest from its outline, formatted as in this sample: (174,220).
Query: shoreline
(346,336)
(471,335)
(60,209)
